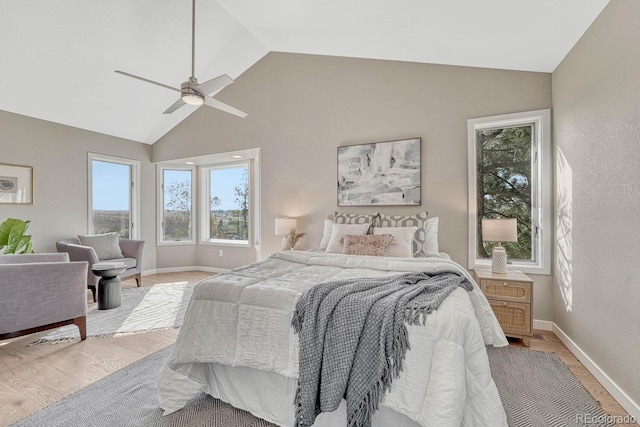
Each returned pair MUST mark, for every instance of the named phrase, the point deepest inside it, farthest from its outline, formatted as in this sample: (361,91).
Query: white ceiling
(57,57)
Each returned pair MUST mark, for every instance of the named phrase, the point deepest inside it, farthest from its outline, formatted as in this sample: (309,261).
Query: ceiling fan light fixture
(191,92)
(188,93)
(193,98)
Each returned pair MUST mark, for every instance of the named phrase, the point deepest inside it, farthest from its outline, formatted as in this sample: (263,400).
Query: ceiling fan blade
(147,80)
(212,102)
(214,85)
(179,103)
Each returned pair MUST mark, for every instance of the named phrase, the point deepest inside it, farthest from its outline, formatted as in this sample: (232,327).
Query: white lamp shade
(284,226)
(500,230)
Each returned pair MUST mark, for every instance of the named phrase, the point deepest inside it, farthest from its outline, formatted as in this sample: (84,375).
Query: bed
(237,345)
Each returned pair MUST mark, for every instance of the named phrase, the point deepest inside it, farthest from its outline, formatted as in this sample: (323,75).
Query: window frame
(134,195)
(542,185)
(160,208)
(205,213)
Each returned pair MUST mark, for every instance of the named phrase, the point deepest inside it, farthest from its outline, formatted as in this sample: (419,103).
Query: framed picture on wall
(380,173)
(16,184)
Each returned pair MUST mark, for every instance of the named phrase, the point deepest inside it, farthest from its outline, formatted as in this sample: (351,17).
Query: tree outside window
(504,184)
(229,203)
(178,205)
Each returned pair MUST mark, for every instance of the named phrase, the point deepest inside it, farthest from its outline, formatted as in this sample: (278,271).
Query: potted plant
(293,237)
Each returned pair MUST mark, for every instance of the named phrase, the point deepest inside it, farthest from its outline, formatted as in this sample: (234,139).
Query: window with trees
(510,177)
(177,204)
(113,195)
(226,203)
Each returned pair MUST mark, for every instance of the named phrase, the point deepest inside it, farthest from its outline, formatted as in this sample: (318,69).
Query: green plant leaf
(23,245)
(12,237)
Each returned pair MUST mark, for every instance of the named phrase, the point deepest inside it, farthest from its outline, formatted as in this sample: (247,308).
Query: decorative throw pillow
(326,233)
(367,244)
(107,246)
(349,218)
(402,244)
(425,241)
(335,245)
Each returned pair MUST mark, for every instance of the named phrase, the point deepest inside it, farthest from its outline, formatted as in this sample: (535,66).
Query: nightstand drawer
(514,317)
(506,290)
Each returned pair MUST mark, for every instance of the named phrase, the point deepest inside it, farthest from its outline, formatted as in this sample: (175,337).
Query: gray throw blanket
(353,339)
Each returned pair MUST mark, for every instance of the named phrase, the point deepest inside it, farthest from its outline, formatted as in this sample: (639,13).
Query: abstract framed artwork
(380,173)
(16,184)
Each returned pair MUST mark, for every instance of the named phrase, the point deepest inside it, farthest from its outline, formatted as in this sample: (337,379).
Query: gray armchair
(131,249)
(41,291)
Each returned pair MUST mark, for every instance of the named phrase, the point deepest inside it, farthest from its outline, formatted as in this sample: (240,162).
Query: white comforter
(242,318)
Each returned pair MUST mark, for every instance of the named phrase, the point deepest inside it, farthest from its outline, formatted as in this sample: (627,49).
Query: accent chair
(131,252)
(41,291)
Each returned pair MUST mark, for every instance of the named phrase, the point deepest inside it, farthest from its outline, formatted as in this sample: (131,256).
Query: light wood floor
(34,377)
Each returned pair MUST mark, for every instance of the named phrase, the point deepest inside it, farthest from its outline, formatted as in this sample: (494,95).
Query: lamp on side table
(499,230)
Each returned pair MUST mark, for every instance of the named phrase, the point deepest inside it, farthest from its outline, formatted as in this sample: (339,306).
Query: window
(113,195)
(510,177)
(176,204)
(227,187)
(226,203)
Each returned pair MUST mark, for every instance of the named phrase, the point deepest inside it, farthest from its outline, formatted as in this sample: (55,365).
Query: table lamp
(499,230)
(284,227)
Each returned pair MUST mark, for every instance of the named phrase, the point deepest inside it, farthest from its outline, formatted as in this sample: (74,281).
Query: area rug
(536,388)
(128,398)
(143,309)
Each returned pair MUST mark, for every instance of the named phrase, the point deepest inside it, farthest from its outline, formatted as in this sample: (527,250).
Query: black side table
(109,293)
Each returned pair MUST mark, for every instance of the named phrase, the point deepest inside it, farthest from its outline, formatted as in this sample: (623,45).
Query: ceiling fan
(192,92)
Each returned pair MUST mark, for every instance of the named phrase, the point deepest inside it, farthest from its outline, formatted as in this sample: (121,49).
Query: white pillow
(338,231)
(431,240)
(326,233)
(106,246)
(402,244)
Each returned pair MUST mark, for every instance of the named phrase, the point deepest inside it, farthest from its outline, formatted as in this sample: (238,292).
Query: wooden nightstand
(511,298)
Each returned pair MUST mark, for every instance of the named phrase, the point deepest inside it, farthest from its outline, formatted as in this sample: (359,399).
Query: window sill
(176,243)
(232,243)
(525,268)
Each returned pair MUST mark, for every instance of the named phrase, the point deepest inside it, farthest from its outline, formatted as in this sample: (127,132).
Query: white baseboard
(620,396)
(182,269)
(543,325)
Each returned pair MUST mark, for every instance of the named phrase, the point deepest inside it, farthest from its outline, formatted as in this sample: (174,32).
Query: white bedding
(241,319)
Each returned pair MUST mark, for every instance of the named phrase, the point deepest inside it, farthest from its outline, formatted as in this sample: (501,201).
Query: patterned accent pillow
(367,245)
(425,242)
(349,218)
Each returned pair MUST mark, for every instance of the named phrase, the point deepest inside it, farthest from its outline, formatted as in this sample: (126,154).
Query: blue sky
(111,185)
(223,181)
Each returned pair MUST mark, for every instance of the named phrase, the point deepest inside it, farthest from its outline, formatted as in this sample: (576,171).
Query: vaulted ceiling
(57,58)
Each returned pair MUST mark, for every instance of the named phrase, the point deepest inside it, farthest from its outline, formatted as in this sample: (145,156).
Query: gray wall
(302,107)
(596,100)
(58,155)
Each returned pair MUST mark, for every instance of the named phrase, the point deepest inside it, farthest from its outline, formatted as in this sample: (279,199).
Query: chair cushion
(106,245)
